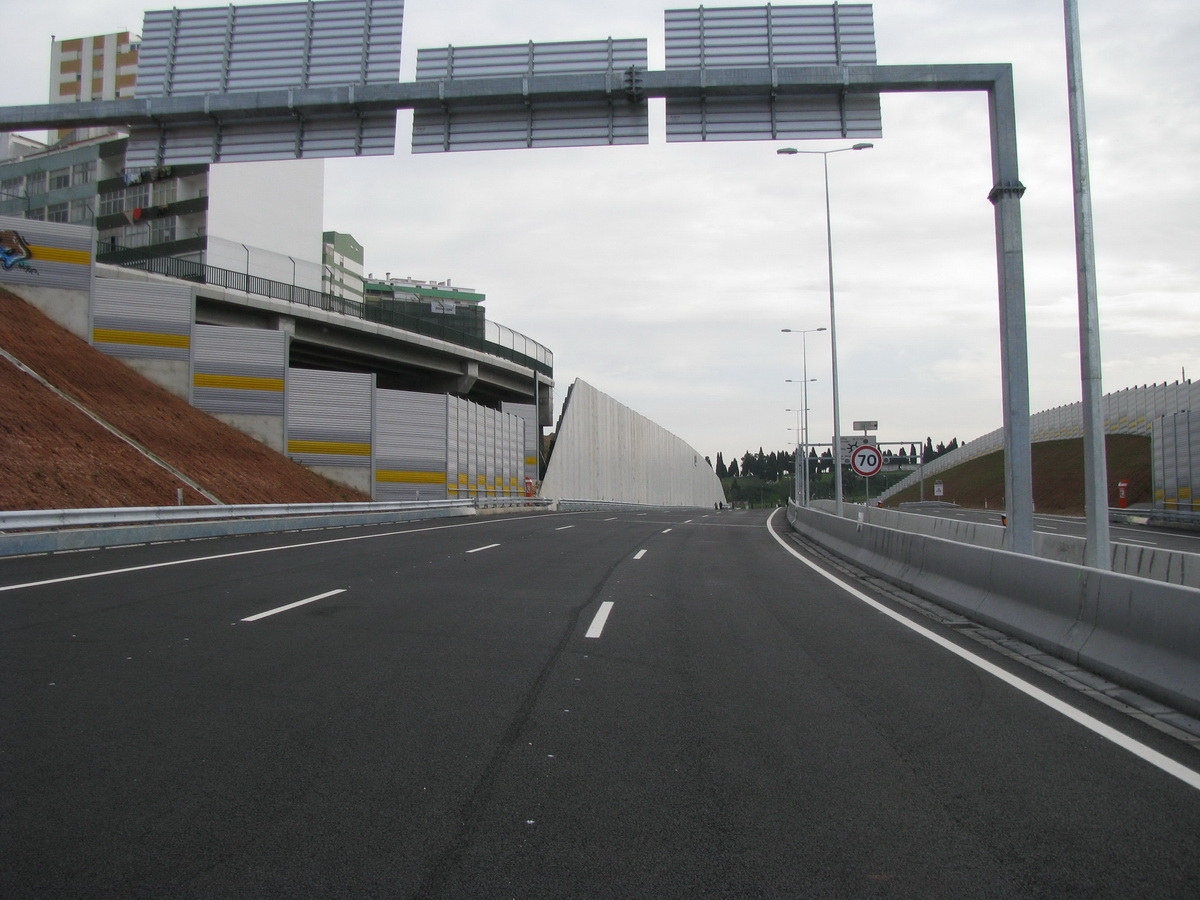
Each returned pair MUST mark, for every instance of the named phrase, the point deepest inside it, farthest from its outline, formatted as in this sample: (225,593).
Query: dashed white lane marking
(563,527)
(597,626)
(219,556)
(639,554)
(484,547)
(667,531)
(279,609)
(1159,760)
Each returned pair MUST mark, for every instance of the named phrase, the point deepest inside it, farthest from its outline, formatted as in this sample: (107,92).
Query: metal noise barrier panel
(329,418)
(606,451)
(239,371)
(139,320)
(268,48)
(45,254)
(1176,449)
(526,439)
(465,126)
(410,445)
(772,37)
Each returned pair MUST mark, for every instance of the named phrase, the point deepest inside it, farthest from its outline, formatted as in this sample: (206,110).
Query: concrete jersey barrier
(1139,633)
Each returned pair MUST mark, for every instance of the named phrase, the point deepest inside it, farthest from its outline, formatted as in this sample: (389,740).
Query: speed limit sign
(866,461)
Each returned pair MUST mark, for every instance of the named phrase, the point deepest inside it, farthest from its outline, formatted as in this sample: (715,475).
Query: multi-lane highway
(665,704)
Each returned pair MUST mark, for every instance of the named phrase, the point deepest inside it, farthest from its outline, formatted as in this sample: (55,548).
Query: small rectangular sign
(866,425)
(851,442)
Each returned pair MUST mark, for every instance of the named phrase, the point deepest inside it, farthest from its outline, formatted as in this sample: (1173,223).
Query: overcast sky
(663,274)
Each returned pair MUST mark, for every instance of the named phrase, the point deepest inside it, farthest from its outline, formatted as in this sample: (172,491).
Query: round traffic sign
(866,461)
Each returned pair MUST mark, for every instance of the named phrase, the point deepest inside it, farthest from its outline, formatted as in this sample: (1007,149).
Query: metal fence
(499,341)
(47,519)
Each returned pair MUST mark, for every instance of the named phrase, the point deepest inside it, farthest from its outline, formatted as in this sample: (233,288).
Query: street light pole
(1095,463)
(799,439)
(837,425)
(804,333)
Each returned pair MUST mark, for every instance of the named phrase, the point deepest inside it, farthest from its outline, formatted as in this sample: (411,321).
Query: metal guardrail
(30,520)
(1155,517)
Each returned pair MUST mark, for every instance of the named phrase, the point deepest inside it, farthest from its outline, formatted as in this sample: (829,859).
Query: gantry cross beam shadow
(635,87)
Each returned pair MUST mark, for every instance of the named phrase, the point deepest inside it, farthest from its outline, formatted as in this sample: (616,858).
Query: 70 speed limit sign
(866,461)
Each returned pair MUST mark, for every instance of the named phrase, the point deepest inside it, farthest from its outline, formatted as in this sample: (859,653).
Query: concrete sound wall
(606,451)
(1139,633)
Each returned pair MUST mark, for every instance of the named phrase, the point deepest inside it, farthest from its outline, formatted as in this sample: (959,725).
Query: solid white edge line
(597,626)
(1188,776)
(279,609)
(639,554)
(485,547)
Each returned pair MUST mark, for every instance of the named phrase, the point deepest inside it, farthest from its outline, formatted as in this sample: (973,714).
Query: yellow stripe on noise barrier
(238,382)
(61,255)
(140,338)
(398,476)
(332,448)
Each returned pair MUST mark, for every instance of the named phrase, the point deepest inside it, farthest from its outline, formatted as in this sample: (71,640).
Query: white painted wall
(273,207)
(260,263)
(606,451)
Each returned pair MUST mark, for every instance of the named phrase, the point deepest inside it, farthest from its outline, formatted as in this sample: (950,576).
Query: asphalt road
(590,705)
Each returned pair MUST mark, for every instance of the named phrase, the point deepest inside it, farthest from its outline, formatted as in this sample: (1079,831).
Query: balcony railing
(498,340)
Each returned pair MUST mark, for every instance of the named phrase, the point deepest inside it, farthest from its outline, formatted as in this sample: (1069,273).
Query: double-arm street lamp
(804,333)
(837,429)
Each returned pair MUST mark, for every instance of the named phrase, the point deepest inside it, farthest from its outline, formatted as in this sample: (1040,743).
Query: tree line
(774,465)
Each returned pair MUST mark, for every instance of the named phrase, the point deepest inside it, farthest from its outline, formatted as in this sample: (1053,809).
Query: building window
(81,212)
(35,183)
(10,188)
(38,214)
(134,236)
(83,173)
(164,192)
(137,196)
(58,212)
(162,231)
(112,203)
(59,179)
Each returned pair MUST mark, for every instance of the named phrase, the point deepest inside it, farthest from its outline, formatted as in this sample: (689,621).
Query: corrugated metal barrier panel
(411,431)
(606,451)
(239,370)
(463,126)
(45,254)
(1176,455)
(527,440)
(262,48)
(140,320)
(772,37)
(329,417)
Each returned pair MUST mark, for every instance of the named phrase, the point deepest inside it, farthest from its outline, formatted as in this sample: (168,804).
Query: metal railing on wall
(497,341)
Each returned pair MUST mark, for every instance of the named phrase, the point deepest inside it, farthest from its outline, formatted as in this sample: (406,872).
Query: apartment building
(103,67)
